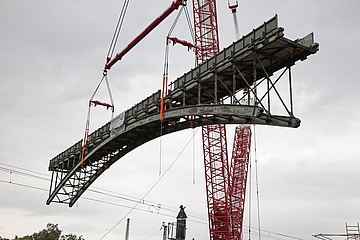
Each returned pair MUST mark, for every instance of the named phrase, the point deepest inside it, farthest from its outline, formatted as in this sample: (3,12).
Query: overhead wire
(105,192)
(23,185)
(151,188)
(153,235)
(39,173)
(14,171)
(202,220)
(195,217)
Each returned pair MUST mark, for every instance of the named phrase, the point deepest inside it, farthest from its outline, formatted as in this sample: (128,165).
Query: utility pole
(127,229)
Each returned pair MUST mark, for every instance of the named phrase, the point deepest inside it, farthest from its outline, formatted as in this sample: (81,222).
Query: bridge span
(205,95)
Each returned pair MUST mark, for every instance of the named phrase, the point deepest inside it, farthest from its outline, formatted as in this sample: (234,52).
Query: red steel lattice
(238,178)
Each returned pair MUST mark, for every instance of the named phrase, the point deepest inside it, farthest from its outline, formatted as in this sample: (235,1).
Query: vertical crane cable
(192,33)
(91,101)
(108,57)
(117,29)
(164,86)
(250,183)
(165,78)
(257,184)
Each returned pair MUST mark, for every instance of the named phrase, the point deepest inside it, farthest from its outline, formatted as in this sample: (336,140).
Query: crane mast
(225,189)
(214,137)
(206,29)
(238,178)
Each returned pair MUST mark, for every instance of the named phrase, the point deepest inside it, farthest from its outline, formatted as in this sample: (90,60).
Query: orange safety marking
(163,94)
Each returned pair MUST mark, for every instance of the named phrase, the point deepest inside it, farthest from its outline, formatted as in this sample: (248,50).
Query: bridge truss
(258,62)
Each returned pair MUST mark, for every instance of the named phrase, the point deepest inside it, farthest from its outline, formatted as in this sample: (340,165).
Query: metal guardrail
(244,42)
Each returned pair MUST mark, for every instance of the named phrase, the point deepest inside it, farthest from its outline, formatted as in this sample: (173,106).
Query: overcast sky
(51,58)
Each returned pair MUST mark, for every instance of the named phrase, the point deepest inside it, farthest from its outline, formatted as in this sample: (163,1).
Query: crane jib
(174,5)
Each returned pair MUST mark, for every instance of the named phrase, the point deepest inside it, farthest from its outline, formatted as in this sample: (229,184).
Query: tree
(71,237)
(51,232)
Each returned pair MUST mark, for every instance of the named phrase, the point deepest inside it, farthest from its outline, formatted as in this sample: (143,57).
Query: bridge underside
(194,100)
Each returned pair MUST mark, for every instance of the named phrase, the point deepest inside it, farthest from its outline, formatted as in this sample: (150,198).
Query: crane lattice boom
(225,199)
(238,178)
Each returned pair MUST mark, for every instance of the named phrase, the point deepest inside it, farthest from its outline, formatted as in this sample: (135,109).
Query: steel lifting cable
(94,103)
(250,190)
(192,34)
(117,30)
(164,92)
(257,184)
(166,62)
(165,78)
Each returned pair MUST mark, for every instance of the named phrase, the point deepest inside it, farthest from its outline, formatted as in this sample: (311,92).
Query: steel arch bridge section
(70,178)
(249,63)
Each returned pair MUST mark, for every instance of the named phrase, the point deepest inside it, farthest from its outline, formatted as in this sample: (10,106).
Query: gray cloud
(52,55)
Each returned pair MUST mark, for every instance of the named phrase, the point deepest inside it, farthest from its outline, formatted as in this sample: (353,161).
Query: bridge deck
(193,101)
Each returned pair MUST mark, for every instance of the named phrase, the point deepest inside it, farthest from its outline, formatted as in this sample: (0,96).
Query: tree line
(51,232)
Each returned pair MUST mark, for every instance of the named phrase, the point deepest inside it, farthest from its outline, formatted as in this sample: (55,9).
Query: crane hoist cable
(165,77)
(174,6)
(233,7)
(117,30)
(257,185)
(174,40)
(92,102)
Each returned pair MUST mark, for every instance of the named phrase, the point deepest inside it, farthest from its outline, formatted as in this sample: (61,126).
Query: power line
(201,219)
(170,166)
(23,185)
(12,169)
(24,172)
(264,233)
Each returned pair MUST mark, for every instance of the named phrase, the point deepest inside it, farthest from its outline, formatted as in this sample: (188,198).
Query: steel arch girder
(176,119)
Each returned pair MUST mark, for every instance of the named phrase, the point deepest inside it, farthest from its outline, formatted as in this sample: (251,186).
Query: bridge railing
(67,158)
(242,43)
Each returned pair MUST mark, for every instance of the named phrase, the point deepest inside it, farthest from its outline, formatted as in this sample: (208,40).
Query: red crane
(214,137)
(225,189)
(174,5)
(238,178)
